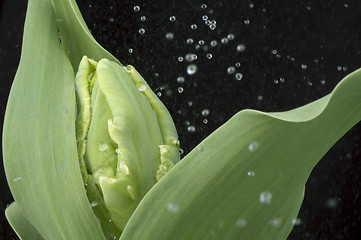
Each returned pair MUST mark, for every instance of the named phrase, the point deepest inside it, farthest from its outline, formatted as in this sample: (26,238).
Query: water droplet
(275,222)
(224,40)
(141,31)
(180,79)
(189,41)
(130,50)
(296,221)
(203,6)
(180,59)
(303,66)
(205,112)
(172,18)
(230,36)
(180,89)
(265,197)
(239,76)
(173,207)
(93,204)
(209,55)
(103,147)
(251,173)
(241,48)
(214,43)
(17,179)
(169,36)
(191,128)
(204,17)
(192,69)
(136,8)
(194,26)
(241,223)
(253,146)
(143,18)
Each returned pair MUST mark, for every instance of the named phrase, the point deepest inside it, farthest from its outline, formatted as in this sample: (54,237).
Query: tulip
(90,152)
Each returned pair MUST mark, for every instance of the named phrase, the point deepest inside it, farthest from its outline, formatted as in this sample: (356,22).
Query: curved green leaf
(39,147)
(24,229)
(76,38)
(246,180)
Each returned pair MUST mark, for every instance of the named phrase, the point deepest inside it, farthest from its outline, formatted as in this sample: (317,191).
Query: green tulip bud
(125,136)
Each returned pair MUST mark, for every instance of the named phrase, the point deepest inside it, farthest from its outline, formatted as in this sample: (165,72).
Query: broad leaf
(40,155)
(246,180)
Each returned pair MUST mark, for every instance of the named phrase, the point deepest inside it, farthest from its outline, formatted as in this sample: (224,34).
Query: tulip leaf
(246,180)
(40,152)
(76,38)
(24,229)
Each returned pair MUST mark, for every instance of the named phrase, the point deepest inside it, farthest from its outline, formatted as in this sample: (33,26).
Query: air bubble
(239,76)
(143,18)
(247,21)
(253,146)
(230,70)
(265,197)
(17,179)
(214,43)
(93,204)
(275,222)
(230,36)
(205,121)
(180,89)
(303,66)
(241,48)
(192,69)
(189,41)
(136,8)
(190,57)
(237,64)
(130,50)
(103,147)
(203,6)
(205,112)
(194,26)
(191,128)
(251,173)
(201,42)
(141,31)
(224,40)
(173,207)
(241,223)
(209,55)
(169,36)
(212,26)
(172,18)
(204,17)
(296,221)
(180,79)
(180,59)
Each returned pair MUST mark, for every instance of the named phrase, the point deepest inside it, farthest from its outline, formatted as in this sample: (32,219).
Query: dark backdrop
(292,52)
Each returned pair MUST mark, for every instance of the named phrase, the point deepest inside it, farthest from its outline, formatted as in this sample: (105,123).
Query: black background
(296,52)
